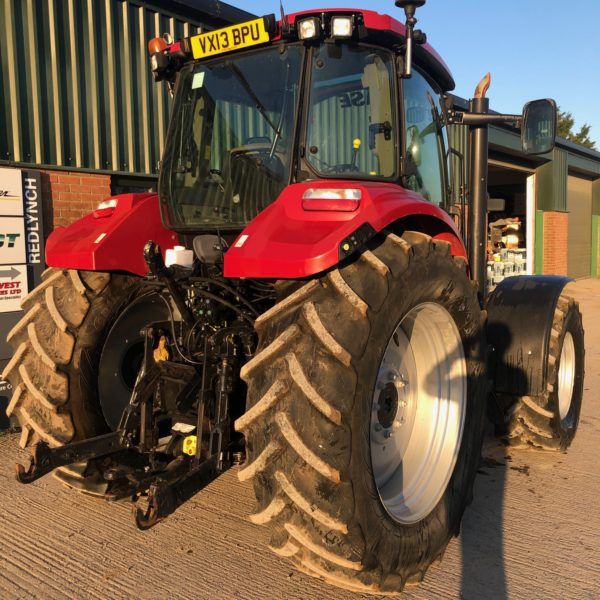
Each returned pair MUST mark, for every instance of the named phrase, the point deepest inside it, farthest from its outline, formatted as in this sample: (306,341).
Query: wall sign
(21,253)
(21,236)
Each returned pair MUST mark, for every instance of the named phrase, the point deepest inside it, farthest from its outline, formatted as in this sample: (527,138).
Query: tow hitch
(174,435)
(128,458)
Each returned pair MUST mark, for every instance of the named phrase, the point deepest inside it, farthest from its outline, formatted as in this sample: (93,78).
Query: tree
(566,123)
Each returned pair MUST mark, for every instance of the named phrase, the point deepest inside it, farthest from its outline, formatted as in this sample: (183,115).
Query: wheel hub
(122,354)
(417,412)
(388,405)
(566,375)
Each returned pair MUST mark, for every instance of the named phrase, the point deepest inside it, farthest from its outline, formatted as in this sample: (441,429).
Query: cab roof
(390,32)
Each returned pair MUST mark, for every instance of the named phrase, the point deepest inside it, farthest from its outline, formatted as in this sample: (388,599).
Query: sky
(533,48)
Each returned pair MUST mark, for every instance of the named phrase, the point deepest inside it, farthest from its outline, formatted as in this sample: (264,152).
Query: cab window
(351,121)
(424,156)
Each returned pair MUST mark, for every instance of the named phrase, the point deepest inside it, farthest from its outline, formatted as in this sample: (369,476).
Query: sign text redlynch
(32,219)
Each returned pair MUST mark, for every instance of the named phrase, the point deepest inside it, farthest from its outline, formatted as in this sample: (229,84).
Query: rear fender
(111,239)
(286,242)
(520,315)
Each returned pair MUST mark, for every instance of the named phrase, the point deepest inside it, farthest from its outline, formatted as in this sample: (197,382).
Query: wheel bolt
(397,424)
(377,427)
(388,433)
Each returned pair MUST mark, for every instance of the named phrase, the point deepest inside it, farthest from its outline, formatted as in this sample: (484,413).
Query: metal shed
(78,93)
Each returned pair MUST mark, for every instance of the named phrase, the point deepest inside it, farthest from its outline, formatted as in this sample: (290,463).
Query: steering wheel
(343,168)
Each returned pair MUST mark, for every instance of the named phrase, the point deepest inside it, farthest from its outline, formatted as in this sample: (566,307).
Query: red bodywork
(111,239)
(283,242)
(286,241)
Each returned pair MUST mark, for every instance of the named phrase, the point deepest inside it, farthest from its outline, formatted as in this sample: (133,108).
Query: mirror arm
(465,118)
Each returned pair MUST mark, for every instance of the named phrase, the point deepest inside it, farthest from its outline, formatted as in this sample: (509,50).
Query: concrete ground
(533,530)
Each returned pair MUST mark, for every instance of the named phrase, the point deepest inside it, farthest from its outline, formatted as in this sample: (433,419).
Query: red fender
(285,241)
(111,239)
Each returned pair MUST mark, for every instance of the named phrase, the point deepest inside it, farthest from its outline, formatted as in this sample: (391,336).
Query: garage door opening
(510,222)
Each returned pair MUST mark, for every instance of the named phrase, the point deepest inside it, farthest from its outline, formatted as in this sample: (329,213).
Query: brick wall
(556,235)
(68,196)
(597,250)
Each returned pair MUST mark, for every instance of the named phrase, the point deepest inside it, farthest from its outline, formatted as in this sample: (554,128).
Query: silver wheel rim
(418,413)
(566,375)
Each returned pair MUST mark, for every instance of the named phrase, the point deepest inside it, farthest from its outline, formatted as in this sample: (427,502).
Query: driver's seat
(252,180)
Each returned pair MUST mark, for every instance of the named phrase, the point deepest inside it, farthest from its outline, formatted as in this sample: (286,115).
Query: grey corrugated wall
(77,91)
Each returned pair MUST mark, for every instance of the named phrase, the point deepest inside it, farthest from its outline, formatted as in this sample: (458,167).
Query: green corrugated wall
(77,91)
(551,182)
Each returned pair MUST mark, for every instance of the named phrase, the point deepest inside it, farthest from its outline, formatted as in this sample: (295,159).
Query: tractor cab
(316,96)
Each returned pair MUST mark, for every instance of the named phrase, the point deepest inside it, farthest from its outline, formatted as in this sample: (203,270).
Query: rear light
(110,203)
(342,27)
(309,29)
(331,199)
(105,209)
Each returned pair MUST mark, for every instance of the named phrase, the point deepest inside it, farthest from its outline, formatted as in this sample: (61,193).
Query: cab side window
(423,145)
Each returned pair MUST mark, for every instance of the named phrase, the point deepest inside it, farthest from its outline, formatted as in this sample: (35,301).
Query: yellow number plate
(230,38)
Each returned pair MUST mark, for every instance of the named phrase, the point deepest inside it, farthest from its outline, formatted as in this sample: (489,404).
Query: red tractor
(299,294)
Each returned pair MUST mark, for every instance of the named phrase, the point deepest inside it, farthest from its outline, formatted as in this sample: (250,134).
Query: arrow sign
(12,272)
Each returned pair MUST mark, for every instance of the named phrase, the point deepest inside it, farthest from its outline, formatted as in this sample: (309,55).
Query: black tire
(535,421)
(57,346)
(309,400)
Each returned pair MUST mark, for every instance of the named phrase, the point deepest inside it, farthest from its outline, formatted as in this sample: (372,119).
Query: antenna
(410,7)
(285,28)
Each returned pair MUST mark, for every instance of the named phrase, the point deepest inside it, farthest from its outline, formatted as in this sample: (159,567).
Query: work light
(309,29)
(341,27)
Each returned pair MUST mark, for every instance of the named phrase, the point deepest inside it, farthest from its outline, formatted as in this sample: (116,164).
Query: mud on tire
(309,403)
(56,349)
(536,421)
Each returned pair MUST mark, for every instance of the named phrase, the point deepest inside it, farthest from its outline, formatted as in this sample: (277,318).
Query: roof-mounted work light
(309,29)
(342,27)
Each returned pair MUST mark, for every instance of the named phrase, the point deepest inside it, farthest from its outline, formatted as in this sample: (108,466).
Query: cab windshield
(229,148)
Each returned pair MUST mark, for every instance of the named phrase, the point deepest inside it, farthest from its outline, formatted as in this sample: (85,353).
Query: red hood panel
(285,241)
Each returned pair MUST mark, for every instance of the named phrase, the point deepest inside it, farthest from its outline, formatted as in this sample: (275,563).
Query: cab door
(424,159)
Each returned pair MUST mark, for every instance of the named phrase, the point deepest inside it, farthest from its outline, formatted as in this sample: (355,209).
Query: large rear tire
(311,399)
(57,347)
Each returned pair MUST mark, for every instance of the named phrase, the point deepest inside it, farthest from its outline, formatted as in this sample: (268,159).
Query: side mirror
(538,127)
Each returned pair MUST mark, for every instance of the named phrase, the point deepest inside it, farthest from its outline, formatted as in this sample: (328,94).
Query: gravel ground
(533,530)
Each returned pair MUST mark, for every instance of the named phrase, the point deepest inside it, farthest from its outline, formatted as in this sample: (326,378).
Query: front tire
(309,422)
(549,421)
